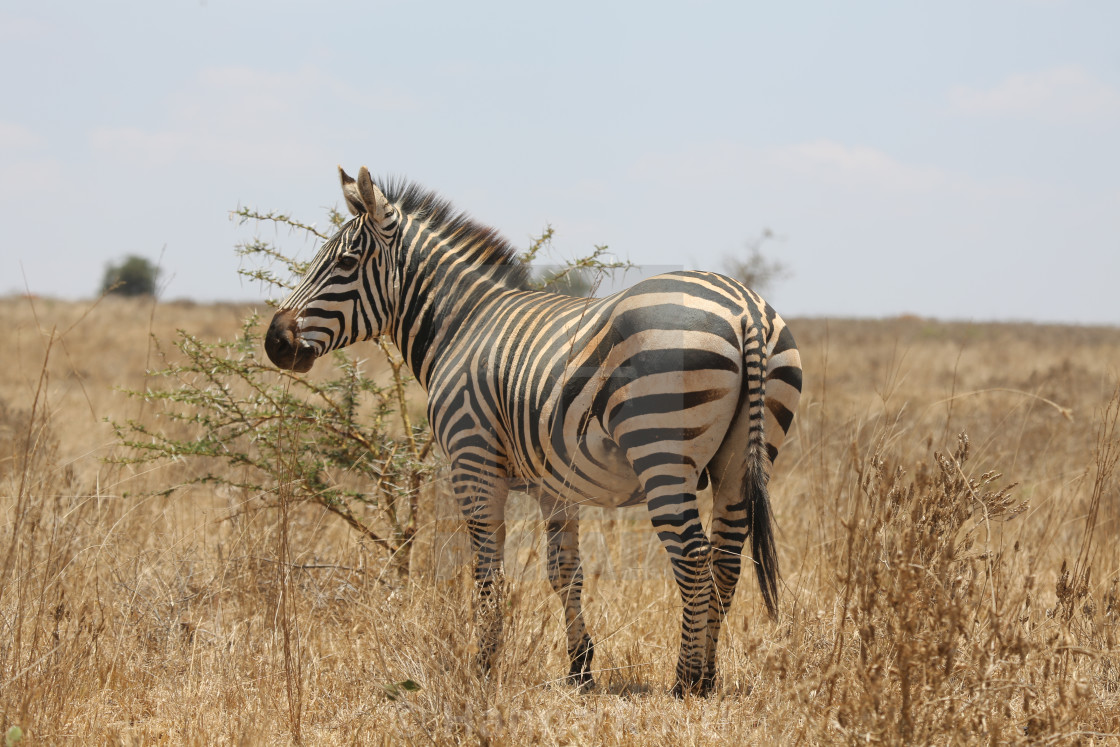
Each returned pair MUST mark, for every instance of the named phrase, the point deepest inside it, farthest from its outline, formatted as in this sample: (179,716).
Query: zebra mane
(427,206)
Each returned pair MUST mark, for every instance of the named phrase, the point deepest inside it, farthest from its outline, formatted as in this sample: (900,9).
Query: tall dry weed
(51,625)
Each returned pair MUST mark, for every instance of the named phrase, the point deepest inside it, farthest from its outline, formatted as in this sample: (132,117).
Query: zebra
(647,396)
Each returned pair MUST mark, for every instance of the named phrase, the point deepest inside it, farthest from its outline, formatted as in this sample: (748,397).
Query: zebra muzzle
(284,346)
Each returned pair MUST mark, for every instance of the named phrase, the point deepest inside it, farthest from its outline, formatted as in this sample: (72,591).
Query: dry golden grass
(921,601)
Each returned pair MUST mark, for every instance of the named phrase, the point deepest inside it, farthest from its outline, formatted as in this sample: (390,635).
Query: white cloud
(24,179)
(239,116)
(1062,95)
(819,162)
(17,137)
(23,167)
(856,166)
(22,29)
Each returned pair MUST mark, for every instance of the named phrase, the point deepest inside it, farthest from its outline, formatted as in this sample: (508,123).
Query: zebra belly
(597,473)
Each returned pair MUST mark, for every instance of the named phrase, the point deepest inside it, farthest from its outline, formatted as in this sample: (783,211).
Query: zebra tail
(762,537)
(757,496)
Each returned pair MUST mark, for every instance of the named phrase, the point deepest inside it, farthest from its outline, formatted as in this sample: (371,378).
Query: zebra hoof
(579,674)
(581,681)
(702,688)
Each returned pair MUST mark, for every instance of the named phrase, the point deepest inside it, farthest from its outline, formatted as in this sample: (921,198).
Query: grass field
(933,593)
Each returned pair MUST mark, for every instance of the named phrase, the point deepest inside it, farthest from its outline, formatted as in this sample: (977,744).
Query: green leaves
(396,690)
(332,442)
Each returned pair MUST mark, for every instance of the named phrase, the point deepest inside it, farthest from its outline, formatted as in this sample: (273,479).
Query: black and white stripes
(645,396)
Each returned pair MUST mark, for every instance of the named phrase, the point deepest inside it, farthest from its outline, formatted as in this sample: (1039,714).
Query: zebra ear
(350,192)
(373,200)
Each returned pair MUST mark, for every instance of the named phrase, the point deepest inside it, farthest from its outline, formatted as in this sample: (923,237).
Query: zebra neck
(442,284)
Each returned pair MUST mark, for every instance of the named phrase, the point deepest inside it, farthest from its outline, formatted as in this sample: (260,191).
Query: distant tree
(753,269)
(134,276)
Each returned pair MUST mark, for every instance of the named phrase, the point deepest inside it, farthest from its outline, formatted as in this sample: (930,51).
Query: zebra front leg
(483,506)
(676,518)
(565,573)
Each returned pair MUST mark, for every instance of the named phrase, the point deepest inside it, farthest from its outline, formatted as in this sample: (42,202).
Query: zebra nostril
(280,340)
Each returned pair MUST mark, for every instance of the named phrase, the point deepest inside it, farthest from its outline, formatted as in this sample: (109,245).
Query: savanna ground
(932,593)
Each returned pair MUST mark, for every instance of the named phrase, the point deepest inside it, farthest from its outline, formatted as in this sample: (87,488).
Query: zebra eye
(348,262)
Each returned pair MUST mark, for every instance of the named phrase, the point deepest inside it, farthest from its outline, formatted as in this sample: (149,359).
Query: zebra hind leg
(565,574)
(676,518)
(730,526)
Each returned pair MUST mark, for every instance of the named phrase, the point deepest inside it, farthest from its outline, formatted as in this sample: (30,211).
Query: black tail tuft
(762,538)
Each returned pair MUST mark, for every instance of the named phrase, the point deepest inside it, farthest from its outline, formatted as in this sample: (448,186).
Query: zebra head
(344,296)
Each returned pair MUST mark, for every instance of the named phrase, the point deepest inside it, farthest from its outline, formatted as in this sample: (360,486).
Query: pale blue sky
(949,159)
